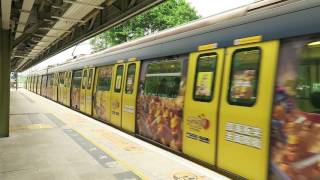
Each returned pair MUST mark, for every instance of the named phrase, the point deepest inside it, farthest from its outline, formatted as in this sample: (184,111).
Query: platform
(49,141)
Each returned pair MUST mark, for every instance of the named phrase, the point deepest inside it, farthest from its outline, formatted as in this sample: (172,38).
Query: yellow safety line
(31,127)
(121,162)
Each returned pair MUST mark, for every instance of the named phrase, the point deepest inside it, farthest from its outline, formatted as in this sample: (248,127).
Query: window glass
(104,79)
(130,78)
(76,80)
(308,79)
(205,76)
(163,79)
(84,79)
(90,79)
(118,77)
(244,77)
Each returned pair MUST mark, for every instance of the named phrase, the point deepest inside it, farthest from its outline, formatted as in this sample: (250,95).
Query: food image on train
(160,103)
(295,136)
(244,77)
(100,101)
(203,87)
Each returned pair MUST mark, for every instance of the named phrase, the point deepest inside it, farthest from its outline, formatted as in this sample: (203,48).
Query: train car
(238,92)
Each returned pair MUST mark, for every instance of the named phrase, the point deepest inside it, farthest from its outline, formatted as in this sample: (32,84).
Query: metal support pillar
(5,50)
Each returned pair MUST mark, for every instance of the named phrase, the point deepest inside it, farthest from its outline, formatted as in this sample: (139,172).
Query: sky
(204,8)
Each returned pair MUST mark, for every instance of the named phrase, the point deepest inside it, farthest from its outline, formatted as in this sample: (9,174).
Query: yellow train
(238,92)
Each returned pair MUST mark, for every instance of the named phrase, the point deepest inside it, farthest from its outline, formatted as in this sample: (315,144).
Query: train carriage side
(249,107)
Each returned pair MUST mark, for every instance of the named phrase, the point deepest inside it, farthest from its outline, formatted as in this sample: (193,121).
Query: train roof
(272,19)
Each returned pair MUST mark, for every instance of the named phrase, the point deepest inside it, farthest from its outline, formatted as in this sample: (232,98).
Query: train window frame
(164,74)
(133,79)
(72,83)
(118,90)
(257,75)
(211,97)
(98,77)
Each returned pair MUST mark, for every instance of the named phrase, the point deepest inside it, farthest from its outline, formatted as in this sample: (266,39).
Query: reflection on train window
(119,73)
(130,78)
(104,79)
(84,79)
(308,81)
(205,75)
(244,77)
(76,80)
(163,79)
(90,79)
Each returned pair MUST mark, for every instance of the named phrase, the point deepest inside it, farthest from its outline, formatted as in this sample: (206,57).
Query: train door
(27,83)
(130,95)
(201,103)
(39,84)
(102,93)
(245,111)
(33,82)
(75,89)
(44,85)
(89,90)
(68,88)
(55,86)
(116,94)
(83,90)
(61,94)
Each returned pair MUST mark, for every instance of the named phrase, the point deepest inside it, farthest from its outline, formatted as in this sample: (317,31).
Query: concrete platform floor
(51,142)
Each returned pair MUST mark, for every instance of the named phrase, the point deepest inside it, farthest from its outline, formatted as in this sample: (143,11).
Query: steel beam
(5,54)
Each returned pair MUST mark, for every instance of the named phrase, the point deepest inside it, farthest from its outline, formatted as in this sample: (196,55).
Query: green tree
(166,15)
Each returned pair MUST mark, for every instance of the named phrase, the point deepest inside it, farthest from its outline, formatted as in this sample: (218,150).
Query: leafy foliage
(168,14)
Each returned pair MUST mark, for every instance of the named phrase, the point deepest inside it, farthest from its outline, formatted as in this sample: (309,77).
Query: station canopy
(42,28)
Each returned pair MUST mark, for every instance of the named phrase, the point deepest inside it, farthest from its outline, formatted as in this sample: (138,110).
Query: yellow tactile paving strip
(31,126)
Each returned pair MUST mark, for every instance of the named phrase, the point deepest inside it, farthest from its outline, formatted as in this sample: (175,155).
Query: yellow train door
(68,88)
(201,103)
(245,112)
(83,90)
(61,77)
(39,84)
(55,86)
(116,94)
(89,90)
(102,93)
(130,95)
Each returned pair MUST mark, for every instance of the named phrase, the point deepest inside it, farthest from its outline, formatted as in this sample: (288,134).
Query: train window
(90,79)
(130,78)
(205,76)
(104,79)
(84,79)
(163,79)
(76,80)
(244,76)
(308,79)
(119,73)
